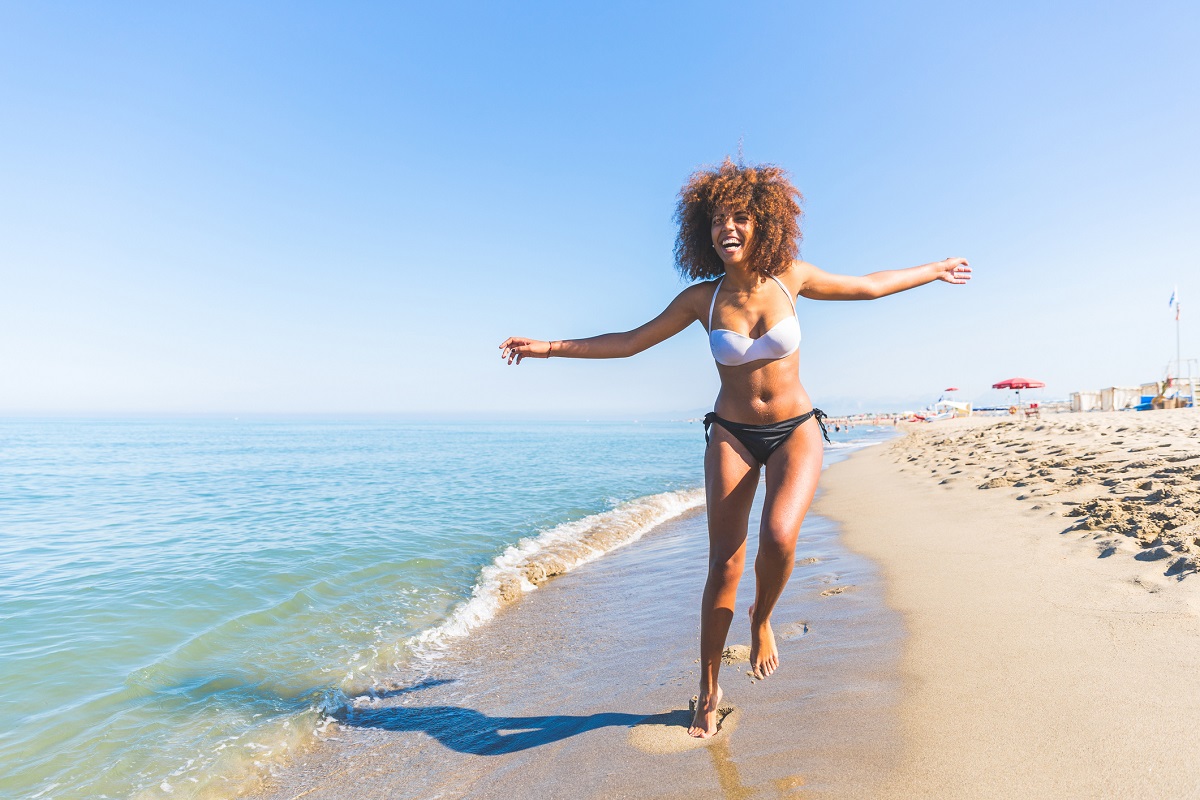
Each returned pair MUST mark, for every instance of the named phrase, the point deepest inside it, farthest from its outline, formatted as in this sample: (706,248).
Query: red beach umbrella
(1018,384)
(950,389)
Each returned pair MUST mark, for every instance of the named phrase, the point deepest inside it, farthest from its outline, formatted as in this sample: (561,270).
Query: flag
(1174,295)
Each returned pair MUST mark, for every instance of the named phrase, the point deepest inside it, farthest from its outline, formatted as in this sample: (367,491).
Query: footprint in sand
(832,590)
(809,560)
(665,733)
(794,631)
(736,654)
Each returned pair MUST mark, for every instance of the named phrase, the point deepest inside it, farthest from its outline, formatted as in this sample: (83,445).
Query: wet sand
(582,690)
(1042,569)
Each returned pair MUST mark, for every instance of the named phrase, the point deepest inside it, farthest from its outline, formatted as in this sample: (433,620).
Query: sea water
(185,603)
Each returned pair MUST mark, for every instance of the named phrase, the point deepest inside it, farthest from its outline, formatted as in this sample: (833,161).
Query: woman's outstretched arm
(817,284)
(677,316)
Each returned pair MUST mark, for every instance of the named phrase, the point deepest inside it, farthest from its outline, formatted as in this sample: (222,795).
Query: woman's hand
(953,270)
(518,347)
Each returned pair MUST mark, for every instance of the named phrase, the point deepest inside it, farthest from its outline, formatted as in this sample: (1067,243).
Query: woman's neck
(741,279)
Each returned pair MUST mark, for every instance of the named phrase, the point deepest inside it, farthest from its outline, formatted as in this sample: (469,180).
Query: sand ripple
(1129,480)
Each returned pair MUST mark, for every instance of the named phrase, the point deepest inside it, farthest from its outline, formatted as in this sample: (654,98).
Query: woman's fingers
(508,348)
(513,341)
(955,270)
(515,349)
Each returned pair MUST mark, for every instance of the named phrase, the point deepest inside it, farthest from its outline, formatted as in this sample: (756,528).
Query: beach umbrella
(947,391)
(1017,384)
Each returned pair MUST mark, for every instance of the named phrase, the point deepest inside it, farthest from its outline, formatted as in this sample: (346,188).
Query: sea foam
(530,562)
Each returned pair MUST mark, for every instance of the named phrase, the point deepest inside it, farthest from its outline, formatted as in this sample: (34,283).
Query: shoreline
(1042,657)
(582,688)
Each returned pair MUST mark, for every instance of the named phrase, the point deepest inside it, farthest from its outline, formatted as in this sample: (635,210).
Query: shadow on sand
(469,731)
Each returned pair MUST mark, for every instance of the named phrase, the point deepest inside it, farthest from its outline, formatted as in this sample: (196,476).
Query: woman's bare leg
(792,474)
(730,478)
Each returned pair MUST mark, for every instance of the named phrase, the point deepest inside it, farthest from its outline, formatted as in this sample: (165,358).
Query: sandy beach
(1016,616)
(1052,636)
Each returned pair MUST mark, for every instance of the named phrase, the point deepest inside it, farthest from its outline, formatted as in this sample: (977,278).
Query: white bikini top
(732,349)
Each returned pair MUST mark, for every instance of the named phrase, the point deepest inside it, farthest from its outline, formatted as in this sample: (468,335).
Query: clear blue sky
(334,208)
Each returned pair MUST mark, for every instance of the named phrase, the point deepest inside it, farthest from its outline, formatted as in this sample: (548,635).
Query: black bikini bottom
(762,440)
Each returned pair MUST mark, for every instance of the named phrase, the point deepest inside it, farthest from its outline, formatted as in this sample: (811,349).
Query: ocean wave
(851,445)
(532,561)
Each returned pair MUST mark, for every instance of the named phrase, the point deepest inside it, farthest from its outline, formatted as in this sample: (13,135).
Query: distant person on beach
(739,237)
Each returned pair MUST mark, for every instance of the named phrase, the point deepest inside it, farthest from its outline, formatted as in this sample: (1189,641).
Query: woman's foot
(704,723)
(764,658)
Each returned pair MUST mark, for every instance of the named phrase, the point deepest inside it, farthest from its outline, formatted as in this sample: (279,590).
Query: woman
(739,230)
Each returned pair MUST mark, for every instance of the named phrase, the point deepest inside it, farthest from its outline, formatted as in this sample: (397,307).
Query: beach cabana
(1120,398)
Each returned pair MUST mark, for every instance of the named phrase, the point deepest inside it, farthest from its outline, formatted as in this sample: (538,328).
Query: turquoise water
(182,602)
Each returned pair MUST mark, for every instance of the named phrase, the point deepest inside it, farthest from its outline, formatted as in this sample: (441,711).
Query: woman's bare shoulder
(700,290)
(693,299)
(796,276)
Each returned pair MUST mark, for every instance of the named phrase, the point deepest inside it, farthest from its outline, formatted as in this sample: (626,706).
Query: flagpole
(1178,350)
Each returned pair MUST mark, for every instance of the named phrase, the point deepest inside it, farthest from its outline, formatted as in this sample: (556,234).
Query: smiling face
(732,234)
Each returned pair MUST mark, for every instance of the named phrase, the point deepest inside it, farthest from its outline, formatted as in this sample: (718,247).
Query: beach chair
(1032,410)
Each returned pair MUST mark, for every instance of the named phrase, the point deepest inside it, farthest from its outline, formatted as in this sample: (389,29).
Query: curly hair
(763,190)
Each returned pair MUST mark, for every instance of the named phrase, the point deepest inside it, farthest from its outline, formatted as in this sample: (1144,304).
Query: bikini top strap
(791,299)
(713,304)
